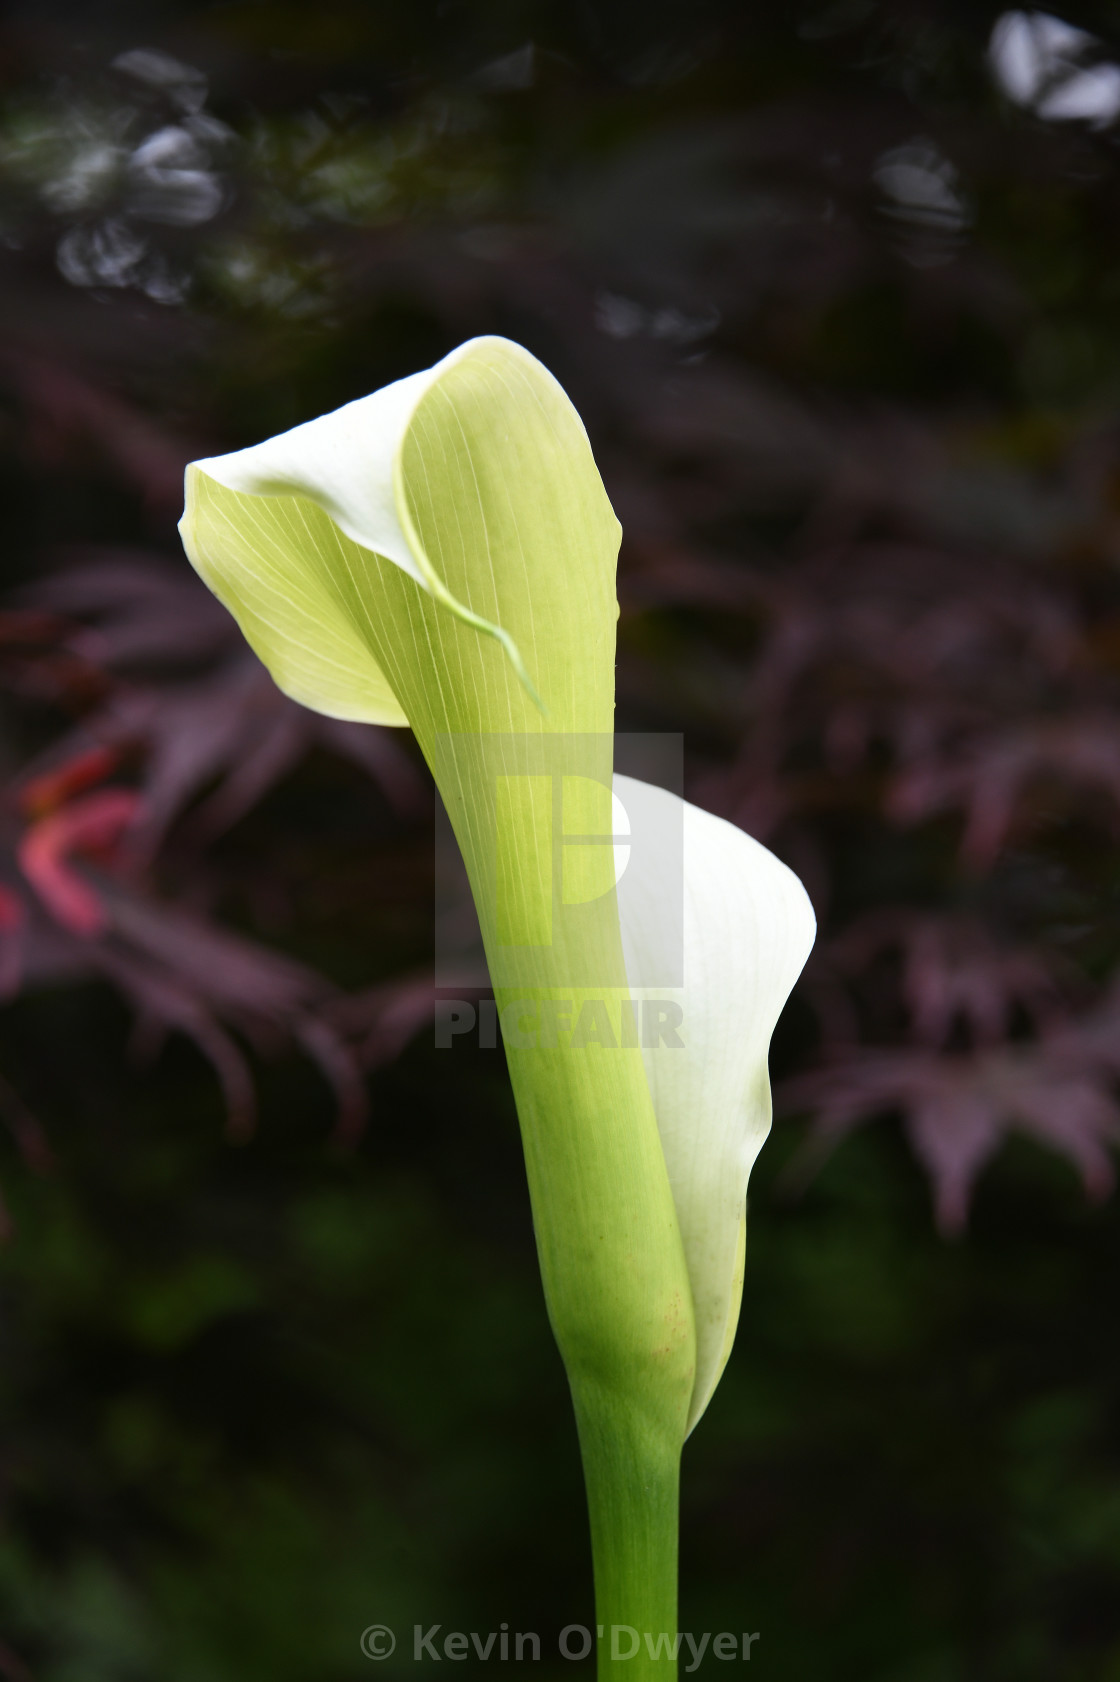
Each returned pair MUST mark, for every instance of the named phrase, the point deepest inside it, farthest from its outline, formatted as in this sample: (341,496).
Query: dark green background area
(256,1398)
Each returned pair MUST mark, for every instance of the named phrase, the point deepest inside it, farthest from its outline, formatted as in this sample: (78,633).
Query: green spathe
(442,553)
(482,467)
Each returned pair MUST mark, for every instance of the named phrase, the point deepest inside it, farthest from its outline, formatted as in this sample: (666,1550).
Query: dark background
(838,300)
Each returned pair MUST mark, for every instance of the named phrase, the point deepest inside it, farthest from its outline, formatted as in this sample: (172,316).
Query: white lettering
(616,1631)
(420,1642)
(697,1652)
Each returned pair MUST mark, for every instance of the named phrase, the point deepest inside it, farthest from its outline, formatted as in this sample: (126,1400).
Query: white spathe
(748,928)
(345,461)
(286,532)
(335,487)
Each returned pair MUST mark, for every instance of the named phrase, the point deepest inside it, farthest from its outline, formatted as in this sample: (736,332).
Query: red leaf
(44,793)
(92,825)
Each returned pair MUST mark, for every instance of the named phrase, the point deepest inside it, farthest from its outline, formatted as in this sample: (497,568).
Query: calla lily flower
(442,554)
(748,929)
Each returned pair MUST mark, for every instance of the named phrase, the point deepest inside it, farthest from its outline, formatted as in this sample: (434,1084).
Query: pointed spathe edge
(346,442)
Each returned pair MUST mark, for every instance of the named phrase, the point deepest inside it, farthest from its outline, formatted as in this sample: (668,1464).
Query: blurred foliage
(835,289)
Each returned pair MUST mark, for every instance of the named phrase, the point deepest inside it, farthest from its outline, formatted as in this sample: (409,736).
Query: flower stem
(632,1473)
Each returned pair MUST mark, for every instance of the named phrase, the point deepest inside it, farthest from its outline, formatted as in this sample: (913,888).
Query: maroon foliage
(179,732)
(947,720)
(847,390)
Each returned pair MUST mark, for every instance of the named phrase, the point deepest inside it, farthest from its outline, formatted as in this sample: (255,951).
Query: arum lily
(442,554)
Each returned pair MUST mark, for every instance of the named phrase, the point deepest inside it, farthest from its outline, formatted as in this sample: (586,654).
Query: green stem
(632,1473)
